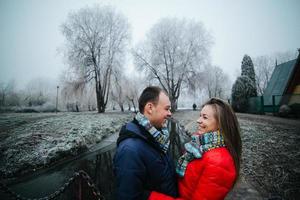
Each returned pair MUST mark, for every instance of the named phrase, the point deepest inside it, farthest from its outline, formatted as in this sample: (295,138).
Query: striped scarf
(196,147)
(161,137)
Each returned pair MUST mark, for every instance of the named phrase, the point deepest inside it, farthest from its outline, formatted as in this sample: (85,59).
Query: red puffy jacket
(210,177)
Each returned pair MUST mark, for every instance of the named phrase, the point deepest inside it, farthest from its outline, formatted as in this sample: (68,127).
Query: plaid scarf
(162,137)
(197,146)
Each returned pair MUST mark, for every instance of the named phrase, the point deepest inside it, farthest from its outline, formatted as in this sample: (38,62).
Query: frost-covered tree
(75,93)
(8,94)
(196,86)
(248,70)
(244,87)
(134,86)
(216,82)
(118,89)
(264,67)
(38,91)
(285,56)
(172,52)
(5,89)
(96,40)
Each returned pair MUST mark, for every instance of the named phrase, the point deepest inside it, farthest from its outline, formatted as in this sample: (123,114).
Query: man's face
(161,111)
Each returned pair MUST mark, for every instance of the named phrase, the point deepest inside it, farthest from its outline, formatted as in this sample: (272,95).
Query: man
(142,163)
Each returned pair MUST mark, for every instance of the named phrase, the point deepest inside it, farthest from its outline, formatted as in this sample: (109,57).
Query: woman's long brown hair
(229,127)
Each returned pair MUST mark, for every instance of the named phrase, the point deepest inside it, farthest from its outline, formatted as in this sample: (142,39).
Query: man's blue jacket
(140,166)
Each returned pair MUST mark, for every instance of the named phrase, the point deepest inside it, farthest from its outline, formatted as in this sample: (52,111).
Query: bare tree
(96,40)
(117,92)
(75,93)
(8,95)
(195,85)
(38,91)
(172,52)
(126,90)
(134,87)
(264,67)
(72,93)
(285,56)
(216,82)
(4,90)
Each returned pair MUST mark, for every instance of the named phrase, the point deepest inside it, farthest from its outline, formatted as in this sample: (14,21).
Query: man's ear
(148,108)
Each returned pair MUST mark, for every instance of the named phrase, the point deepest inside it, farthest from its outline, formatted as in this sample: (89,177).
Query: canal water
(97,162)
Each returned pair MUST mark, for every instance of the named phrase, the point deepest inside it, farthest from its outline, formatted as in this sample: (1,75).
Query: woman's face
(207,121)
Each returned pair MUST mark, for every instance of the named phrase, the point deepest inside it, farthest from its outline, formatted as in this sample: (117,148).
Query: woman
(210,166)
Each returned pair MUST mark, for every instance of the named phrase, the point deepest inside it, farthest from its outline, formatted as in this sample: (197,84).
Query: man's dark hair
(149,94)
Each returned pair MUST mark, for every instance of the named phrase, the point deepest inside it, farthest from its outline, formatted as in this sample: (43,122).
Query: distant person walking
(142,163)
(211,164)
(194,106)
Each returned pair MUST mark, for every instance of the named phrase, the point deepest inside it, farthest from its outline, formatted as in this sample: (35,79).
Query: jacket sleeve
(130,174)
(214,183)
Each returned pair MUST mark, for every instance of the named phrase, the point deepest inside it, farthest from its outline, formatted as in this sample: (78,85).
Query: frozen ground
(271,155)
(30,141)
(270,159)
(271,151)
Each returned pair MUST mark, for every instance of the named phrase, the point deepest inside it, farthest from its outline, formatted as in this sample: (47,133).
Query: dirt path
(271,155)
(271,120)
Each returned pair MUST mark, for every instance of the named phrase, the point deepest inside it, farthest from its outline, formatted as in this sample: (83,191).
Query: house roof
(295,79)
(279,80)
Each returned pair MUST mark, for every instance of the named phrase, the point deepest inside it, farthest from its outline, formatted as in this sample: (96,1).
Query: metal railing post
(273,104)
(262,111)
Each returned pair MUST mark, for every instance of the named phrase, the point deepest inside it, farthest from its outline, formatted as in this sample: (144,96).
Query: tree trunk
(101,105)
(173,104)
(100,99)
(133,105)
(3,100)
(121,106)
(129,107)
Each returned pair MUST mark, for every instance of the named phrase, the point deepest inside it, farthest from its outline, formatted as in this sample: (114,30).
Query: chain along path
(51,182)
(81,174)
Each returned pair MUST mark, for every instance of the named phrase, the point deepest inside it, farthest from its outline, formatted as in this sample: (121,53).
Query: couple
(207,170)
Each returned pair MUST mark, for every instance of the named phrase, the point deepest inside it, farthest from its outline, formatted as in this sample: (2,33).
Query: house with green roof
(283,87)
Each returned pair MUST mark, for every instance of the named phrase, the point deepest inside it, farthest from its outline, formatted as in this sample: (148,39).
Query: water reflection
(98,164)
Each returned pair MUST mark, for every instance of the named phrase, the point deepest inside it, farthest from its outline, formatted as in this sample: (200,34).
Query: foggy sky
(30,36)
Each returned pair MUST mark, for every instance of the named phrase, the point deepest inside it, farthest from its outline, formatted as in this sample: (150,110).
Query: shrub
(242,89)
(295,109)
(284,111)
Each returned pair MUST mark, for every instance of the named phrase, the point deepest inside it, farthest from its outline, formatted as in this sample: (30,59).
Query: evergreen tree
(248,70)
(244,87)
